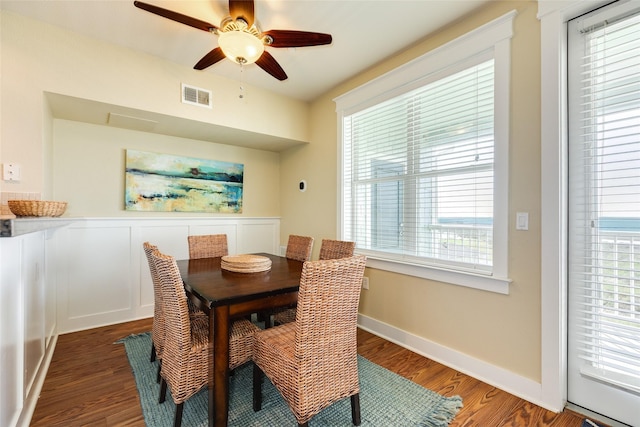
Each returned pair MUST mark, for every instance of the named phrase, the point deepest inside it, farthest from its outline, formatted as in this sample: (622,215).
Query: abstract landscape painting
(166,183)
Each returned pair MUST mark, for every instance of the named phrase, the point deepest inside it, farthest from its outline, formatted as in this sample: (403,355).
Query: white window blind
(419,170)
(424,162)
(604,198)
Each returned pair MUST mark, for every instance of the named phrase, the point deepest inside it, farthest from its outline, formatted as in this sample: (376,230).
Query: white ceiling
(364,33)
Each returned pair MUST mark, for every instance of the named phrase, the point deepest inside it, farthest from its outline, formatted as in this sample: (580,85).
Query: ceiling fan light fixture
(239,38)
(240,46)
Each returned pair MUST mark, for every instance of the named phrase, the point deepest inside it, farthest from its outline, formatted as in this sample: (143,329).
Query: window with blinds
(604,197)
(419,171)
(424,162)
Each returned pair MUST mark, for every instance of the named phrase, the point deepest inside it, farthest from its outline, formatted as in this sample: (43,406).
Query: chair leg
(303,424)
(178,421)
(257,388)
(268,321)
(158,378)
(355,409)
(153,353)
(163,391)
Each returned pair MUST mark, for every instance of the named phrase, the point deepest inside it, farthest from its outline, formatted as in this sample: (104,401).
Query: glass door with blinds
(604,212)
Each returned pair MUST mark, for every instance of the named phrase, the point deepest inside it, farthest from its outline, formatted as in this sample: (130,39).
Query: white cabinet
(11,332)
(27,324)
(34,305)
(52,264)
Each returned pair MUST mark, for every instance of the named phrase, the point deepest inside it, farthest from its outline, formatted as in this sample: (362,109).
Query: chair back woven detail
(299,247)
(158,329)
(208,246)
(313,361)
(186,351)
(336,249)
(329,249)
(333,322)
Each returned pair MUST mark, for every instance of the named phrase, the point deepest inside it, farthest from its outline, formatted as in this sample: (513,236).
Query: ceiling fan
(239,38)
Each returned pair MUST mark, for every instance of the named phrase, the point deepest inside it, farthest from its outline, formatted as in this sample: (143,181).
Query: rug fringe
(445,413)
(122,340)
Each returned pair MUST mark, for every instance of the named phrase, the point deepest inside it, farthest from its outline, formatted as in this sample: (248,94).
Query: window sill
(469,280)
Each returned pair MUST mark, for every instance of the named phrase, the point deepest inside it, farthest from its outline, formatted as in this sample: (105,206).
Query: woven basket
(245,263)
(36,207)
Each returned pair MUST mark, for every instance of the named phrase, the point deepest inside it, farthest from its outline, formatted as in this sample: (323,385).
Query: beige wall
(38,58)
(89,161)
(503,330)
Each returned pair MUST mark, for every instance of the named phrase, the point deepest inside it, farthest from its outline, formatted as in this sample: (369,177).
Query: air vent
(196,96)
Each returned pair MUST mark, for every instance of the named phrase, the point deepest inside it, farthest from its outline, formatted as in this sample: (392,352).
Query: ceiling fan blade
(175,16)
(271,66)
(290,38)
(209,59)
(242,9)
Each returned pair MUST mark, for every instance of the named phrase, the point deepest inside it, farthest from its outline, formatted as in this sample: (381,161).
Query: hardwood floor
(90,383)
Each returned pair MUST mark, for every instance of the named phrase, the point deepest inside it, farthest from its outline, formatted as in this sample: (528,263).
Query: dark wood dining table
(227,295)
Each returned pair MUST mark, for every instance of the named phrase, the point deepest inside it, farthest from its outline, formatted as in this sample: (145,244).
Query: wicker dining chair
(158,328)
(336,249)
(329,249)
(298,248)
(313,361)
(208,246)
(187,352)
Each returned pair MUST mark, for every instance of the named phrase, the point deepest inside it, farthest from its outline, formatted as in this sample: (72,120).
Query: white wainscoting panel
(258,237)
(97,283)
(104,276)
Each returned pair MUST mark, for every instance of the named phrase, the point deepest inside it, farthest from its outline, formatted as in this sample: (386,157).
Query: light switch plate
(522,220)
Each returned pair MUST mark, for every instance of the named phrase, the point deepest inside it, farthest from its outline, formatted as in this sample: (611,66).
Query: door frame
(553,16)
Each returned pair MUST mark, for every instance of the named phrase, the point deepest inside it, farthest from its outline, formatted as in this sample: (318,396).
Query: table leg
(219,369)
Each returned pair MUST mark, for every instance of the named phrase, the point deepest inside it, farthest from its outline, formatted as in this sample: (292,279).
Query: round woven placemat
(245,263)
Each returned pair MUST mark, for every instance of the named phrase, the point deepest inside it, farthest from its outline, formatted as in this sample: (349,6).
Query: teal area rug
(386,399)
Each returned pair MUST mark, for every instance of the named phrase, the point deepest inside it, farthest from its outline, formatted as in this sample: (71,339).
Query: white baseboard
(501,378)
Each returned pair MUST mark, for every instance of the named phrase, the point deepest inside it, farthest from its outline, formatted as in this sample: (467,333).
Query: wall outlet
(365,282)
(11,172)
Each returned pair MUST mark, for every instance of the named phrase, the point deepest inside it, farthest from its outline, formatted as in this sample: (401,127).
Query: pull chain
(241,96)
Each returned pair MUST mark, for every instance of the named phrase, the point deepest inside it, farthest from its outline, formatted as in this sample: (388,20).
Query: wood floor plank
(90,383)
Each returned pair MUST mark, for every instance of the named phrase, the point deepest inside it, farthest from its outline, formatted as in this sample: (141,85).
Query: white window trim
(495,35)
(553,16)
